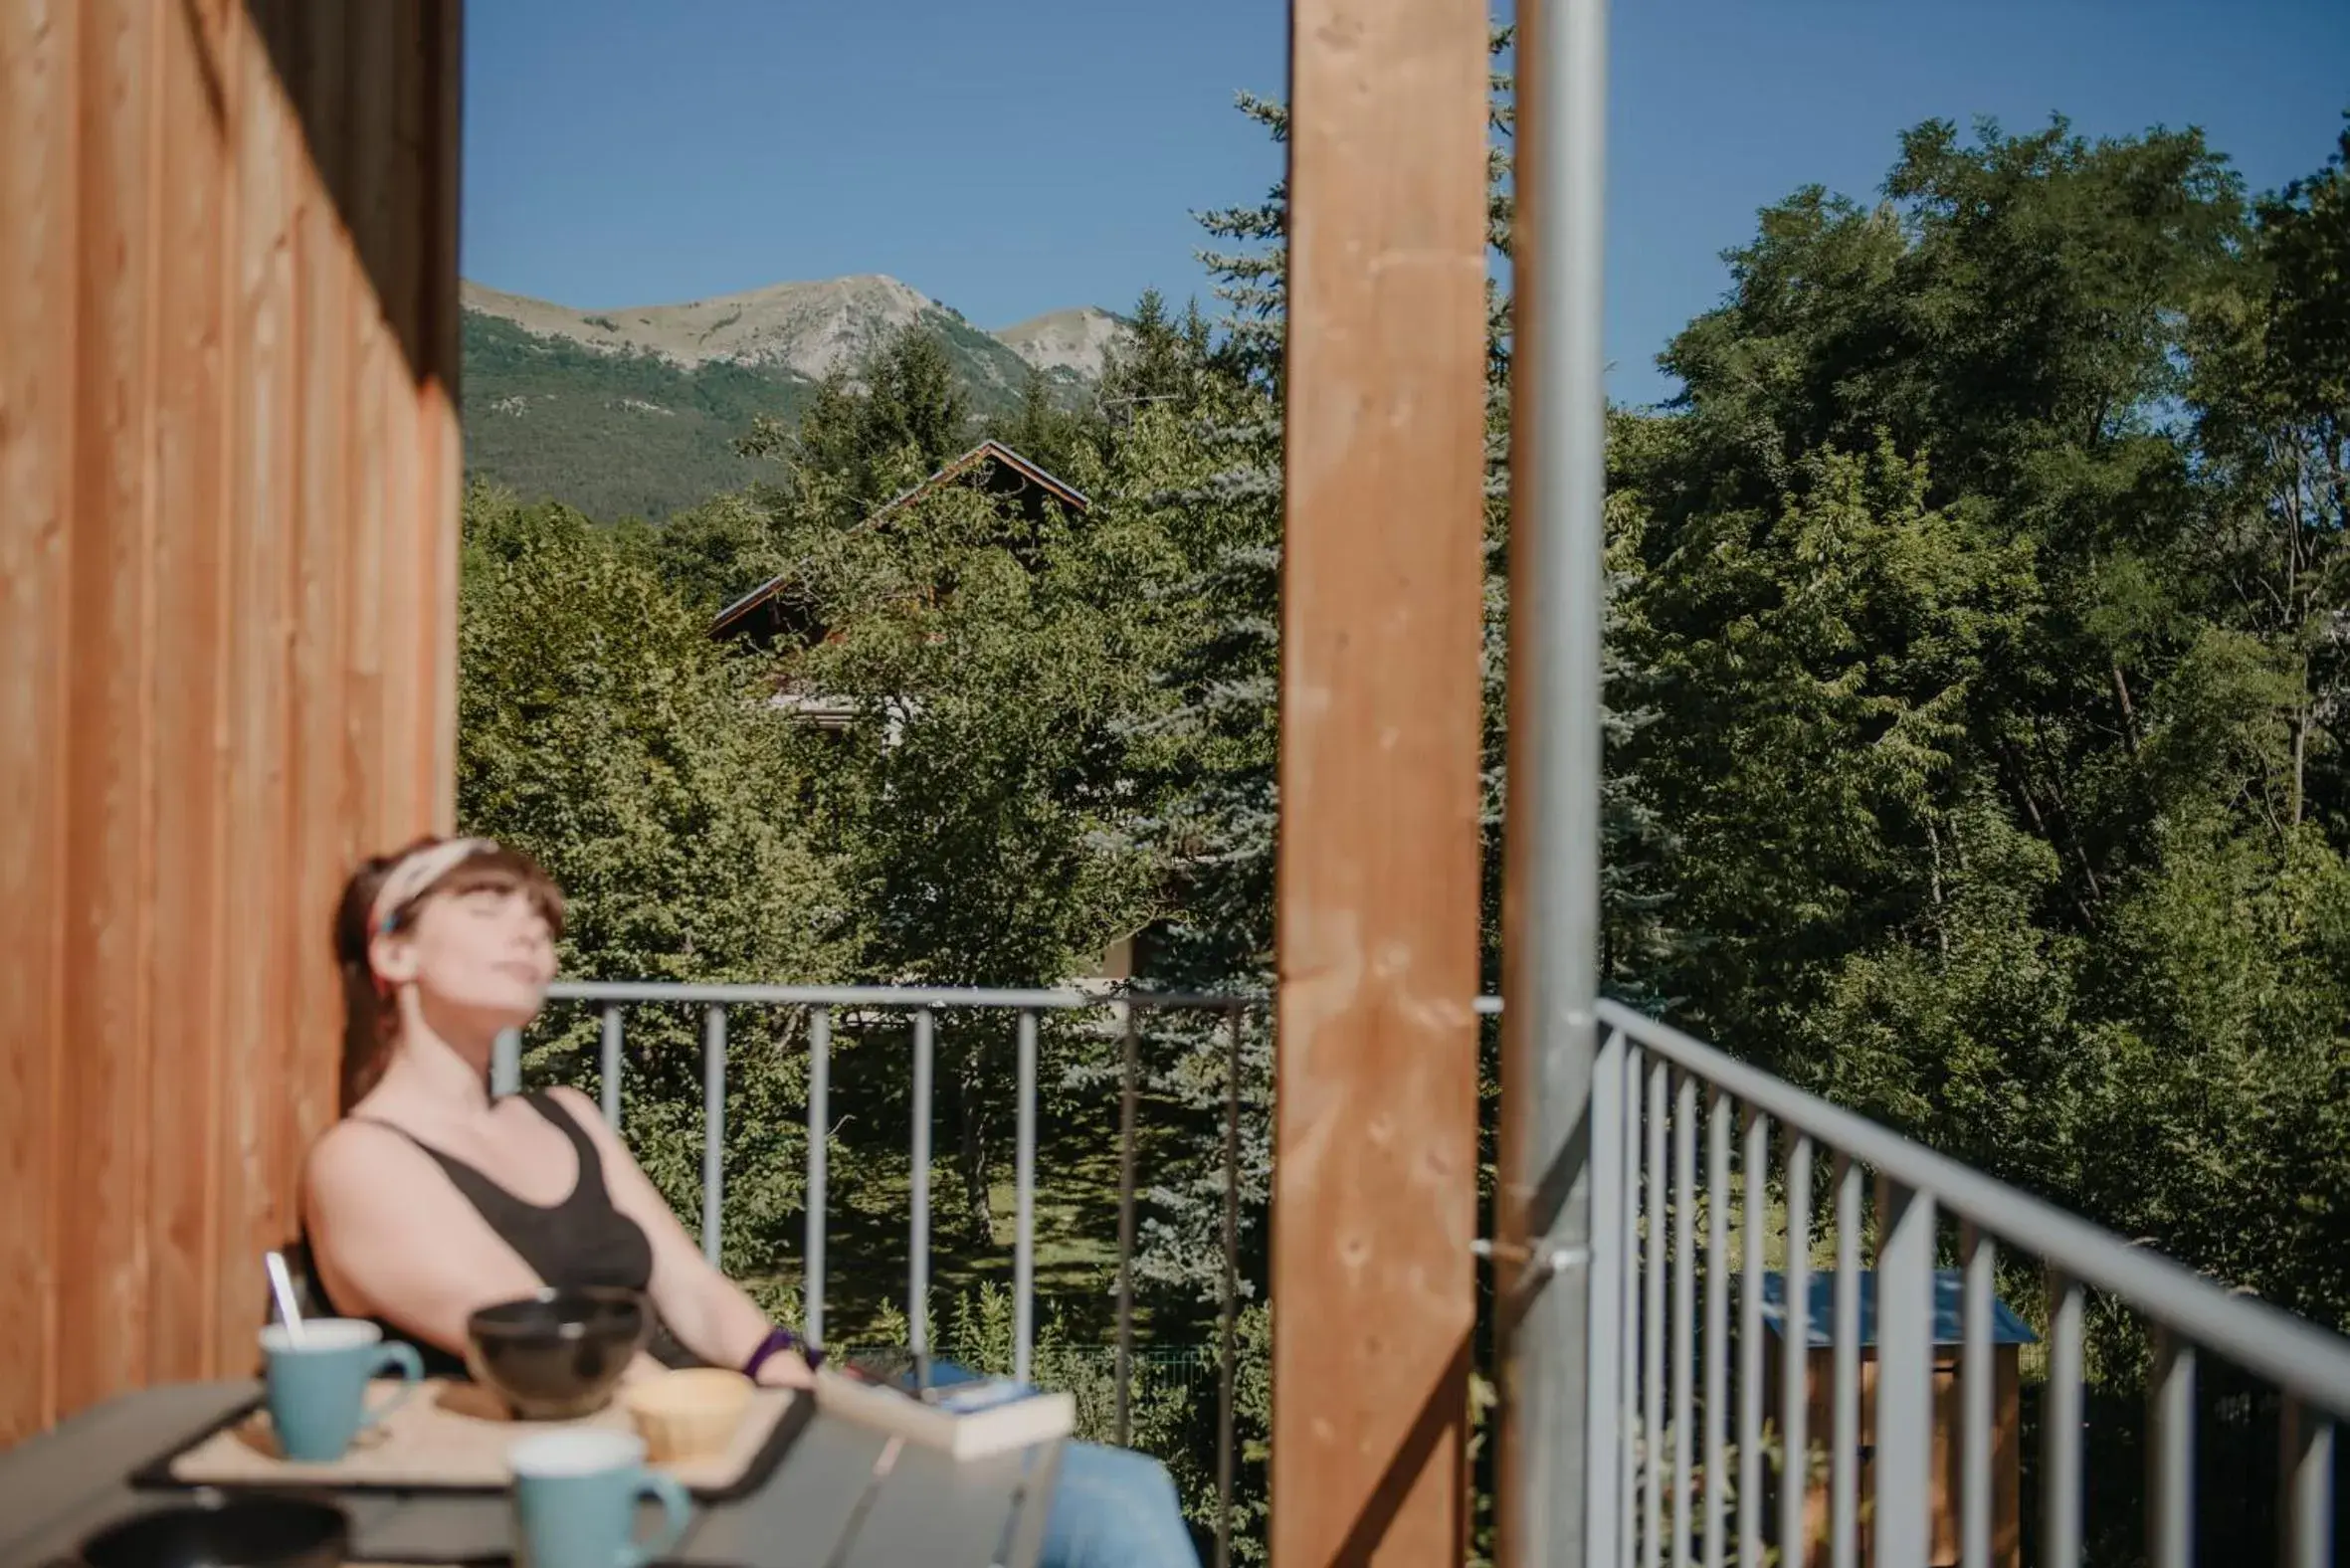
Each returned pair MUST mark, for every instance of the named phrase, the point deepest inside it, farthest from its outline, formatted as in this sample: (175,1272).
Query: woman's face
(485,954)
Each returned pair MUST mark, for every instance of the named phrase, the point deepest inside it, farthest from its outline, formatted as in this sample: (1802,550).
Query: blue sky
(1012,158)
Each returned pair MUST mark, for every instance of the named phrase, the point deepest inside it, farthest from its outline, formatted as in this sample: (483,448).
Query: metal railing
(1689,1409)
(1620,1362)
(924,1005)
(1692,1154)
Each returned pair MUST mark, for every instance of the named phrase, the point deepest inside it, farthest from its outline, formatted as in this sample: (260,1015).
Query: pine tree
(871,429)
(1222,499)
(1041,431)
(1154,361)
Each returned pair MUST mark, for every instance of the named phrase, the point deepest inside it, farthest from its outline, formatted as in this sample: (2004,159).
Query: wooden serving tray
(452,1435)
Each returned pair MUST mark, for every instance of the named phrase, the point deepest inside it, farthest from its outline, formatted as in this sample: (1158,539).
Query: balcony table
(824,1507)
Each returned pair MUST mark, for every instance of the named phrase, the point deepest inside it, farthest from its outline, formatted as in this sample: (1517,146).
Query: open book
(963,1414)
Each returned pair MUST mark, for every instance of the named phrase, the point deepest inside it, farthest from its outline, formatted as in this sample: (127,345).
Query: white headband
(413,873)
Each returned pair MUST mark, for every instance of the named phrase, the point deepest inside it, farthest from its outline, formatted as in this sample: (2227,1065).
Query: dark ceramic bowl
(556,1355)
(252,1531)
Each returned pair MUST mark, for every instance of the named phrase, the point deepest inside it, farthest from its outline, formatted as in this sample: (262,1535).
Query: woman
(430,1199)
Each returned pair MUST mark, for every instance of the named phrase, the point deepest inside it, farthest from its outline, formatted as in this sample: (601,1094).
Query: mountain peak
(1076,341)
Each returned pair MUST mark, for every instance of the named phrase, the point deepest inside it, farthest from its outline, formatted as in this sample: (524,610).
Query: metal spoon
(281,1287)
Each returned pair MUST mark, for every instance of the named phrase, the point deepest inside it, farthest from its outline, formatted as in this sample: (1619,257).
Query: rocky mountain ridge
(635,411)
(812,328)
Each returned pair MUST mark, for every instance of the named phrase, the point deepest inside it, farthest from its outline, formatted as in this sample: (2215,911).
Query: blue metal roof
(1950,1303)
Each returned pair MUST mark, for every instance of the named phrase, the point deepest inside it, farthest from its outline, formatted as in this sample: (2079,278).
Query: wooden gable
(769,614)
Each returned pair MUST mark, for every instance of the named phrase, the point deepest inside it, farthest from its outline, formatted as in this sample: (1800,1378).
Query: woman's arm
(392,1238)
(708,1312)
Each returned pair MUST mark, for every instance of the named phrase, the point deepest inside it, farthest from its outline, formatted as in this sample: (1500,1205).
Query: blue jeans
(1115,1508)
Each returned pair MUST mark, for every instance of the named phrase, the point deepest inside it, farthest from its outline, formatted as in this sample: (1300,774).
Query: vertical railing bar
(1844,1443)
(1753,1218)
(1230,1299)
(917,1265)
(713,1129)
(1717,1322)
(1795,1356)
(820,1077)
(2170,1470)
(1630,1390)
(608,1066)
(1901,1531)
(1684,1307)
(1128,1095)
(1977,1380)
(505,1061)
(1024,1204)
(1652,1330)
(2059,1543)
(1605,1374)
(2306,1460)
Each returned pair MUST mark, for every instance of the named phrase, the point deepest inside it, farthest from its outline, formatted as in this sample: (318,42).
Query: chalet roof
(733,618)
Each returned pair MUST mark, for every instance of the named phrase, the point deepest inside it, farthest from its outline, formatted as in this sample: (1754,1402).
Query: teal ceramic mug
(576,1500)
(316,1383)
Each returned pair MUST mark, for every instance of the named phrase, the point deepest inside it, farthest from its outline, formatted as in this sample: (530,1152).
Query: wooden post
(1375,1142)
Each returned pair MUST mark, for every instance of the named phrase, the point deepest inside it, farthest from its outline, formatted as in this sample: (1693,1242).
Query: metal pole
(609,1065)
(917,1267)
(820,1080)
(1230,1299)
(713,1129)
(1128,1073)
(1023,1205)
(1559,1401)
(2307,1462)
(505,1063)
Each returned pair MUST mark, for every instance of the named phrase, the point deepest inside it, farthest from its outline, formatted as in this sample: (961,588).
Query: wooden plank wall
(1375,1154)
(228,547)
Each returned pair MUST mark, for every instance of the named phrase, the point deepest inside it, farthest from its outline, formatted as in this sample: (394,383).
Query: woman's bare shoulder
(358,1158)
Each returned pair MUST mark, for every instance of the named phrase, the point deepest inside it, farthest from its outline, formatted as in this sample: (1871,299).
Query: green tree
(1817,658)
(602,731)
(981,802)
(1157,361)
(713,552)
(871,429)
(2271,395)
(1984,588)
(1041,430)
(2013,320)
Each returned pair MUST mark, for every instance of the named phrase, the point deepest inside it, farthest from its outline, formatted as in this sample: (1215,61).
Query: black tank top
(584,1240)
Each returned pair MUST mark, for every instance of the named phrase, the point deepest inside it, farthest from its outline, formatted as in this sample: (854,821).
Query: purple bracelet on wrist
(780,1339)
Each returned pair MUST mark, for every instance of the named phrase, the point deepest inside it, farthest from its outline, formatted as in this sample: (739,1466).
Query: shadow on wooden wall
(229,477)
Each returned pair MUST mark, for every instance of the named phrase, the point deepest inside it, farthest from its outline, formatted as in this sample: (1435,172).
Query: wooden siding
(1375,1162)
(229,478)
